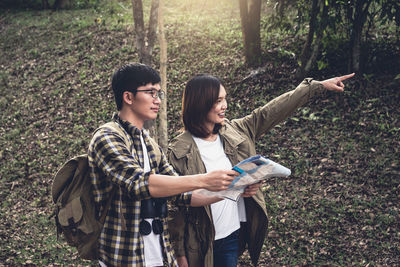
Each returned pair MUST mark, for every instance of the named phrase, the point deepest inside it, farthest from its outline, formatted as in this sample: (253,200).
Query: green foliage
(382,19)
(322,64)
(87,3)
(37,4)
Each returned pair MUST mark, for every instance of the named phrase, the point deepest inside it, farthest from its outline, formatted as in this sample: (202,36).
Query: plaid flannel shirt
(112,162)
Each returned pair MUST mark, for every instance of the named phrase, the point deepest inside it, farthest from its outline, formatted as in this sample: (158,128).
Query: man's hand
(336,83)
(218,180)
(182,261)
(251,190)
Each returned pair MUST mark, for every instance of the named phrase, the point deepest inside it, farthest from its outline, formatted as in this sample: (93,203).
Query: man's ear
(128,97)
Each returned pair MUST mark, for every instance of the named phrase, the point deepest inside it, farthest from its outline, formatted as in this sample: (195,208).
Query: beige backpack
(75,212)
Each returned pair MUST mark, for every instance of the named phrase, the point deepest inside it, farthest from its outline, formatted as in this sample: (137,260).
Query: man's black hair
(131,76)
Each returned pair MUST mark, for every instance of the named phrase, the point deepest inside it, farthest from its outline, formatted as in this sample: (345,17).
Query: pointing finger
(344,77)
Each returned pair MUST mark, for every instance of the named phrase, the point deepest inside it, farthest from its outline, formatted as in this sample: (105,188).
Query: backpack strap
(113,125)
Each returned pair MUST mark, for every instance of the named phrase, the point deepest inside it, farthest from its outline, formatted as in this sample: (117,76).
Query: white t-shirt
(227,214)
(152,247)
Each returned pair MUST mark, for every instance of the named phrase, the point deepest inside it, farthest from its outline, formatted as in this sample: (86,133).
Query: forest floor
(340,206)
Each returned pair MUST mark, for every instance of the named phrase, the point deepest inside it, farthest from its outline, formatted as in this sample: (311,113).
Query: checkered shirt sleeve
(114,160)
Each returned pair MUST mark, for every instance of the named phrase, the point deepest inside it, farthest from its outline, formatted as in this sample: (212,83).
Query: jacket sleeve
(176,227)
(176,218)
(266,117)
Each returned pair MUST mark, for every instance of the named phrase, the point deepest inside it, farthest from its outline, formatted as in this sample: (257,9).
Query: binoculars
(153,208)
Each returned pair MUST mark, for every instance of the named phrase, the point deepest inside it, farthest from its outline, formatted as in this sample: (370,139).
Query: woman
(215,235)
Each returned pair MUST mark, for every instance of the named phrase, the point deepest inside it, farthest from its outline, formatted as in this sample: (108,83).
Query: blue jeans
(226,250)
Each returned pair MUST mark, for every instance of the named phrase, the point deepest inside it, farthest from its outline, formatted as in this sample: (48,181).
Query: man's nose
(157,100)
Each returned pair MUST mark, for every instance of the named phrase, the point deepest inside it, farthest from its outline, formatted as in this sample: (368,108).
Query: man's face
(144,106)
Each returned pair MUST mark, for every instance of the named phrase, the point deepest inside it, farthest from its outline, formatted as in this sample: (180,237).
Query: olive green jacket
(192,231)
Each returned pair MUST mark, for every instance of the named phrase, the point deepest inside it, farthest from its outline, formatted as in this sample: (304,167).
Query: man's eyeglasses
(154,93)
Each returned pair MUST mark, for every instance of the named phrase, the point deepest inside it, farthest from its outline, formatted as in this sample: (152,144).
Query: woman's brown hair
(201,92)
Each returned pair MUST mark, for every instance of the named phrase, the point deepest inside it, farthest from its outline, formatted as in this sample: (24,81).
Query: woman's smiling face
(217,112)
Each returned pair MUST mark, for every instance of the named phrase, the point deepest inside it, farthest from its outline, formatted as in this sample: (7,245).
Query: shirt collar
(129,127)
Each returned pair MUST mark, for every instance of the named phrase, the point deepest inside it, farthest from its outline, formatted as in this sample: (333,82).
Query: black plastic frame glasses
(154,93)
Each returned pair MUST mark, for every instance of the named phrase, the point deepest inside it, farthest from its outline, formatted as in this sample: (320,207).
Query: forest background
(341,204)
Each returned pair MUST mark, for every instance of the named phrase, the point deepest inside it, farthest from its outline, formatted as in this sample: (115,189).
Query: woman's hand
(251,190)
(182,261)
(336,83)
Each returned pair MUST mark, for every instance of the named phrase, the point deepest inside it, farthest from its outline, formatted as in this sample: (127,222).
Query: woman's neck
(211,137)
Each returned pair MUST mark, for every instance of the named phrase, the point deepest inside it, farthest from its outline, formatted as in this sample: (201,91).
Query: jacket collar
(231,136)
(184,143)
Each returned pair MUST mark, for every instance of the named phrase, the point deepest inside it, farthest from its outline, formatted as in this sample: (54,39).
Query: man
(135,230)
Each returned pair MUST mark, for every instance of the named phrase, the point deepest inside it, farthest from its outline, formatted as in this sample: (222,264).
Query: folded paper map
(252,170)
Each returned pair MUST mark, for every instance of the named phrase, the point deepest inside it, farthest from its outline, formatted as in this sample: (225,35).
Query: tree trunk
(281,8)
(250,13)
(306,51)
(145,45)
(45,4)
(356,48)
(314,54)
(152,30)
(358,17)
(60,4)
(162,118)
(139,30)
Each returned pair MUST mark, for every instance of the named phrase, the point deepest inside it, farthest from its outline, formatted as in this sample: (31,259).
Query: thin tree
(357,14)
(250,14)
(162,119)
(312,46)
(59,4)
(281,7)
(45,4)
(145,41)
